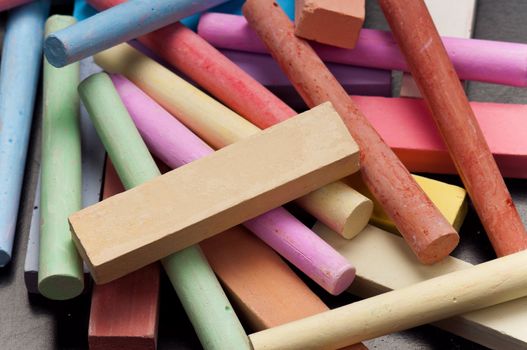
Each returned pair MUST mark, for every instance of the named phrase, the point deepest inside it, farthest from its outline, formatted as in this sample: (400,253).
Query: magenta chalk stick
(176,145)
(481,60)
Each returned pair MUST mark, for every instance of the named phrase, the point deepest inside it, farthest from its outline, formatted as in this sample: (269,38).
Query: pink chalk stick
(407,127)
(355,80)
(474,59)
(176,145)
(8,4)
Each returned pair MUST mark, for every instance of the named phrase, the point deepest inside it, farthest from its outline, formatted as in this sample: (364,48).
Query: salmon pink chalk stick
(425,229)
(406,125)
(176,145)
(437,80)
(482,60)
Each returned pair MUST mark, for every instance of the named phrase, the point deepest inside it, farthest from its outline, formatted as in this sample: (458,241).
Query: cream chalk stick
(337,205)
(497,327)
(454,293)
(189,204)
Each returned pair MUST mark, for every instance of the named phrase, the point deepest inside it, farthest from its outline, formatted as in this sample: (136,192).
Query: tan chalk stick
(477,287)
(332,22)
(497,327)
(187,205)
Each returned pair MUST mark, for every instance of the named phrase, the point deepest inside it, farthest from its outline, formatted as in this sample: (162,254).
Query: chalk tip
(343,280)
(357,219)
(55,51)
(61,287)
(439,249)
(5,258)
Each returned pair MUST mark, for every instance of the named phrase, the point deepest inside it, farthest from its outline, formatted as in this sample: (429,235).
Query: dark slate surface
(31,322)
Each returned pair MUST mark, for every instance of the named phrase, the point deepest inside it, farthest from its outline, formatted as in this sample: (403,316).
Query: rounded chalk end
(55,51)
(61,287)
(357,219)
(343,280)
(5,258)
(439,249)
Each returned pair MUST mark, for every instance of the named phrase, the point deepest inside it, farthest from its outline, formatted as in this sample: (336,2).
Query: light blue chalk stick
(19,73)
(81,10)
(93,155)
(235,7)
(116,25)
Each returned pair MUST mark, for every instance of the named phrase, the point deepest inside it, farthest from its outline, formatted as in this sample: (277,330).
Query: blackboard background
(32,322)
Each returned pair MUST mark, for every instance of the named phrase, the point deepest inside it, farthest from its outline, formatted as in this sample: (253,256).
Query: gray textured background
(31,322)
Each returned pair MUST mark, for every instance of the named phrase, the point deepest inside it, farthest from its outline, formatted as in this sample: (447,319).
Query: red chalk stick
(439,84)
(406,125)
(124,312)
(427,232)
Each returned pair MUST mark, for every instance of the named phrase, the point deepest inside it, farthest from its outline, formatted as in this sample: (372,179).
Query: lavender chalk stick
(118,24)
(481,60)
(355,80)
(174,144)
(21,59)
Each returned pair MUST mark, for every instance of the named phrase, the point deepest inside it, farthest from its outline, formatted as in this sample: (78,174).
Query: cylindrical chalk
(7,4)
(194,281)
(482,60)
(21,57)
(60,274)
(452,294)
(345,212)
(425,229)
(114,26)
(175,145)
(437,80)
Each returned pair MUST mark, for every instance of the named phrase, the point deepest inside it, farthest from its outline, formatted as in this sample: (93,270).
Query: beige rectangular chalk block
(453,18)
(497,327)
(187,205)
(332,22)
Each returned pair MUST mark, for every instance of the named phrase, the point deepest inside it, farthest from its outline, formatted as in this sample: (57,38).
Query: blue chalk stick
(235,7)
(19,73)
(118,24)
(81,10)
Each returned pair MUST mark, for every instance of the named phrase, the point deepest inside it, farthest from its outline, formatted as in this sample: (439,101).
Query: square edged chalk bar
(185,206)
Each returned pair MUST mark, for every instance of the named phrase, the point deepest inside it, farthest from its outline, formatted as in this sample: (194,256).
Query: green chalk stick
(196,285)
(60,273)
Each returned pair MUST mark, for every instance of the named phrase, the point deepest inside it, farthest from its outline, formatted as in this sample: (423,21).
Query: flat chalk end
(55,51)
(357,219)
(343,280)
(61,287)
(439,248)
(5,258)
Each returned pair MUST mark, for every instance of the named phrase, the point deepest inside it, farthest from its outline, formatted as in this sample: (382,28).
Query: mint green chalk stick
(196,285)
(60,273)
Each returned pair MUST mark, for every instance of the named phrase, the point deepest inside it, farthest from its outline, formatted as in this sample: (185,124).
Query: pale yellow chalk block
(451,201)
(498,327)
(187,205)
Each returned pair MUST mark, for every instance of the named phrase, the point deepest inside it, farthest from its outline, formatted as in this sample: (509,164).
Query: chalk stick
(474,59)
(18,84)
(427,232)
(198,289)
(120,24)
(8,4)
(82,10)
(175,145)
(458,23)
(355,80)
(331,22)
(457,124)
(458,292)
(408,128)
(92,173)
(451,201)
(60,275)
(497,327)
(124,313)
(235,191)
(340,207)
